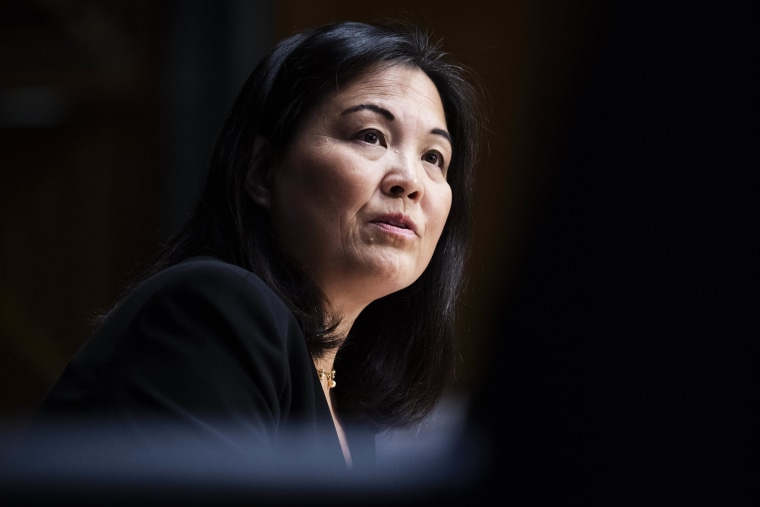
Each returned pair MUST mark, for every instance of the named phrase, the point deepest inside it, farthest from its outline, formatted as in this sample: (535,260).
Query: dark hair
(392,371)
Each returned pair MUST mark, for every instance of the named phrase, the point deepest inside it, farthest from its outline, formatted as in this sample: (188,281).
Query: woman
(316,284)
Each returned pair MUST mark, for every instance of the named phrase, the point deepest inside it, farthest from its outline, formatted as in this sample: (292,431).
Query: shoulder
(209,324)
(210,274)
(200,298)
(210,281)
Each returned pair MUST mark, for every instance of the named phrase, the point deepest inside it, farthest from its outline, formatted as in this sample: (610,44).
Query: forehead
(388,84)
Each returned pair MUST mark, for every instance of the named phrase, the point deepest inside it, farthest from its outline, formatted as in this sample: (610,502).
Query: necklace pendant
(330,377)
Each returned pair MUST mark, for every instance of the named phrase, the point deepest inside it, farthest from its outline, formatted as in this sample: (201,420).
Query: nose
(403,177)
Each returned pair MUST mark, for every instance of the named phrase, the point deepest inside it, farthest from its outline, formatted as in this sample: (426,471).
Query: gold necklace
(327,376)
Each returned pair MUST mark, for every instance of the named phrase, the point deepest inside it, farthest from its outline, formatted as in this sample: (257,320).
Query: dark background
(608,353)
(593,331)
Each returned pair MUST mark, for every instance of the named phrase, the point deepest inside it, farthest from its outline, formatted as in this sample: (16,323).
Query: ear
(257,181)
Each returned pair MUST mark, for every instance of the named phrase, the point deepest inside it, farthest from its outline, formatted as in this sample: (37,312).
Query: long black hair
(399,356)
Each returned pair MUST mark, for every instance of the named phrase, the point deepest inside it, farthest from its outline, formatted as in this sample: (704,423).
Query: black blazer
(204,356)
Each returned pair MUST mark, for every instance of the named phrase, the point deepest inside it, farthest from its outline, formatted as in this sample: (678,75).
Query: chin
(396,284)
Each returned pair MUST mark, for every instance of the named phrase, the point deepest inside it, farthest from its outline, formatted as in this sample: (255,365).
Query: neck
(347,307)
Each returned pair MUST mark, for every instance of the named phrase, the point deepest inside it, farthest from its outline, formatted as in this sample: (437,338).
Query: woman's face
(360,198)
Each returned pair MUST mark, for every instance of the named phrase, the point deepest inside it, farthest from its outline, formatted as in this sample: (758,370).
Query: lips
(398,220)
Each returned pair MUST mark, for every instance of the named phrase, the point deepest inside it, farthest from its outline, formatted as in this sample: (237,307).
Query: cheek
(320,189)
(440,210)
(304,178)
(342,183)
(328,171)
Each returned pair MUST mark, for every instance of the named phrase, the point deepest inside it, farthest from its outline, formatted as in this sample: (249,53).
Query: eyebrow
(372,107)
(443,133)
(387,114)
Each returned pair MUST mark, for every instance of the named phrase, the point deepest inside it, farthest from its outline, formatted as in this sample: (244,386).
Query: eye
(434,157)
(372,136)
